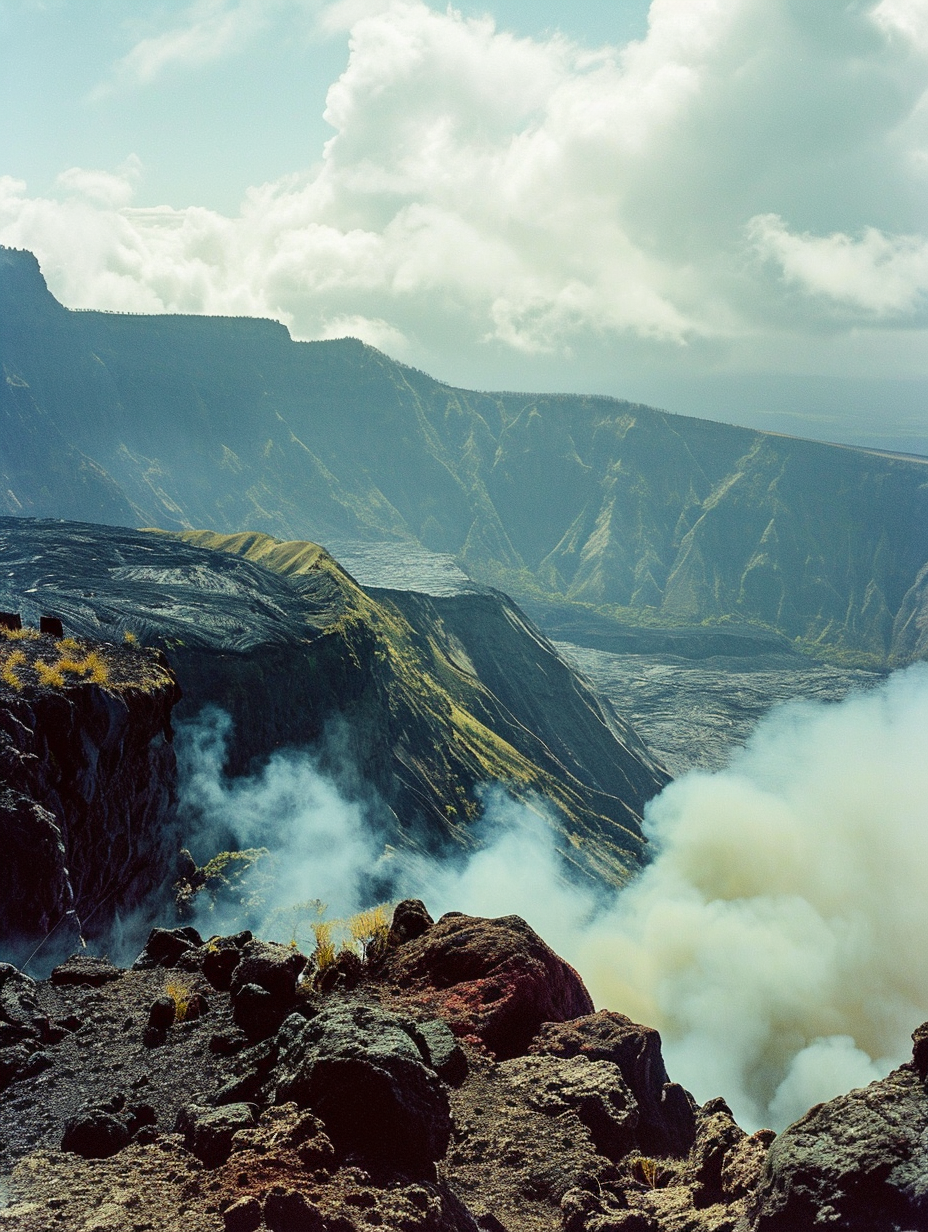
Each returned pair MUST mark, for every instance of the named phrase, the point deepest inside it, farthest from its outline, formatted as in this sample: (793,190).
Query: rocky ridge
(454,1078)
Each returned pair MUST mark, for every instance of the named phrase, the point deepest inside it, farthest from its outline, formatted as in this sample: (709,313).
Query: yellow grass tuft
(182,995)
(26,634)
(8,669)
(50,674)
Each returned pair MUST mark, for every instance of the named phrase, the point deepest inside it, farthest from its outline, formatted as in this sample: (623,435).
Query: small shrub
(25,634)
(369,930)
(182,995)
(129,638)
(649,1172)
(95,668)
(324,953)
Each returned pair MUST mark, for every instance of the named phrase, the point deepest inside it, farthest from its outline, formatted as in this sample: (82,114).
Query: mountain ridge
(651,519)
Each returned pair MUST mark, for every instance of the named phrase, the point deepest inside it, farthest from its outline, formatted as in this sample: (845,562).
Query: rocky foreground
(454,1077)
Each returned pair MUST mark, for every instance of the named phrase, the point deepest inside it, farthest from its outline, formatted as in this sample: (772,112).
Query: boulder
(257,1012)
(718,1138)
(494,981)
(410,920)
(594,1090)
(363,1072)
(165,946)
(86,970)
(286,1210)
(666,1112)
(220,957)
(858,1162)
(208,1132)
(95,1133)
(273,967)
(242,1216)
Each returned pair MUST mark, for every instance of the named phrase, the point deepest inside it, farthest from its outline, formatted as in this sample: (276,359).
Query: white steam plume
(776,939)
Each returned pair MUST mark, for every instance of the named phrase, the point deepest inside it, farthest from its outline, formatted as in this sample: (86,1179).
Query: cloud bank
(748,175)
(776,938)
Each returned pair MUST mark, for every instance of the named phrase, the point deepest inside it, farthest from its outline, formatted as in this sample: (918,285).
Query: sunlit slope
(453,694)
(649,519)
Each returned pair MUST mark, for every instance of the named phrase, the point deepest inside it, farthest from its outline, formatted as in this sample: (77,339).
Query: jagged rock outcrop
(495,980)
(858,1162)
(88,805)
(666,1124)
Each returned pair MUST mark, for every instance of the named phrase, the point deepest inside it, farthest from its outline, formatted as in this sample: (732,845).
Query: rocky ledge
(87,785)
(452,1079)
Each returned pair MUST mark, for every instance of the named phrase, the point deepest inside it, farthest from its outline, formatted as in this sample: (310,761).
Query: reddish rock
(494,981)
(667,1125)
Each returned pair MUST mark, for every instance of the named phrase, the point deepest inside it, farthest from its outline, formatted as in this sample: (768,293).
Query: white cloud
(207,31)
(106,188)
(877,273)
(483,190)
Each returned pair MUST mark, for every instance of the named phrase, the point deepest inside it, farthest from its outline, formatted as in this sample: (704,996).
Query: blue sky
(720,206)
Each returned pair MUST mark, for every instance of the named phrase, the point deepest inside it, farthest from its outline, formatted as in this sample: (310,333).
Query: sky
(715,206)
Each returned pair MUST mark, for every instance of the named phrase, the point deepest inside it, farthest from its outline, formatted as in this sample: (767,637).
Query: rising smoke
(776,939)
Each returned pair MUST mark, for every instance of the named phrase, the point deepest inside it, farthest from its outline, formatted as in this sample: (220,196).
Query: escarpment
(88,772)
(409,698)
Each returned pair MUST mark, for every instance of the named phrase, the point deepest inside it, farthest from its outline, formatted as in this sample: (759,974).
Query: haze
(716,206)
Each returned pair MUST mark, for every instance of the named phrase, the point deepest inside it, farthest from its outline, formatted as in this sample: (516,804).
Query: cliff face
(429,700)
(655,520)
(87,810)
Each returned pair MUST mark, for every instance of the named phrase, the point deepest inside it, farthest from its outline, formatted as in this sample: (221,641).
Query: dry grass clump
(363,935)
(31,660)
(182,995)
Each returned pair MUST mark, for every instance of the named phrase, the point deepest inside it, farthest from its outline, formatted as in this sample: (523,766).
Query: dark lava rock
(162,1014)
(220,958)
(286,1210)
(95,1134)
(257,1012)
(272,967)
(87,970)
(21,1061)
(667,1124)
(595,1090)
(242,1216)
(362,1071)
(858,1163)
(165,946)
(208,1132)
(410,920)
(494,980)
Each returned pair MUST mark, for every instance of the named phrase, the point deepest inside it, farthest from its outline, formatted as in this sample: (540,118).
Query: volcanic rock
(595,1090)
(362,1071)
(666,1123)
(493,980)
(858,1162)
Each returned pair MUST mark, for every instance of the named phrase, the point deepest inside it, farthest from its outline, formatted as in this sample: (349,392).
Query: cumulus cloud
(876,273)
(536,196)
(775,939)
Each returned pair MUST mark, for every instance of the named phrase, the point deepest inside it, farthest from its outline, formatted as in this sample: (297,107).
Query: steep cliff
(616,510)
(417,703)
(87,806)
